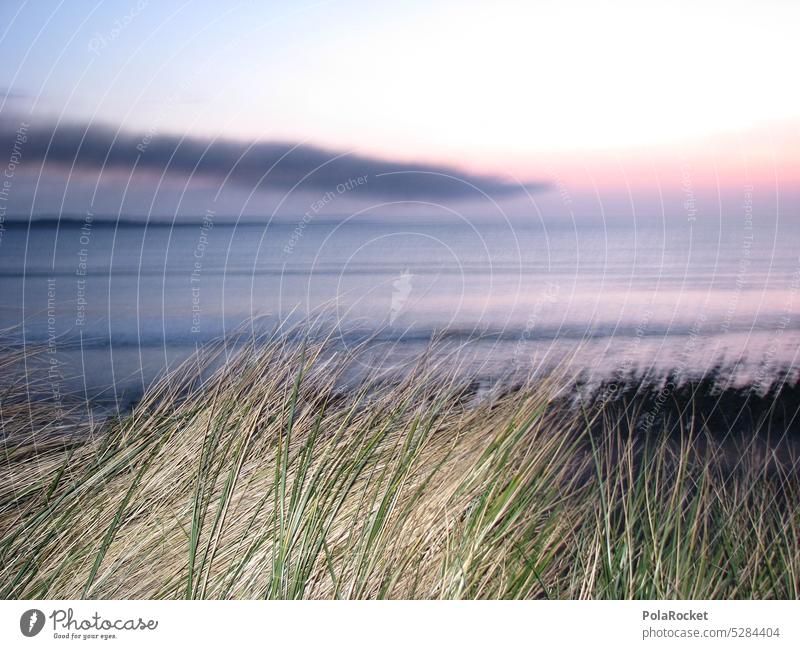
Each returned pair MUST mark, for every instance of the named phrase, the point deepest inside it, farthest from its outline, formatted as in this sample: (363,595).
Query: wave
(418,335)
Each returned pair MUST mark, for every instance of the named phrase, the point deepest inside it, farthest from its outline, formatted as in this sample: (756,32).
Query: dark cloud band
(265,165)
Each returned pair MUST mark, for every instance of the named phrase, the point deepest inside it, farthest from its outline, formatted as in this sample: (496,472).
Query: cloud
(262,164)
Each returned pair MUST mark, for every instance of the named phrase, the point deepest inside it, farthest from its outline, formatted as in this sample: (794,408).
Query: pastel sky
(604,97)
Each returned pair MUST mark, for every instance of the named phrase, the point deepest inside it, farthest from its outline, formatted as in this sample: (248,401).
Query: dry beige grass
(267,480)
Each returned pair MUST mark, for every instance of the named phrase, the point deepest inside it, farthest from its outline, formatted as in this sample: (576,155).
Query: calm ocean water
(117,304)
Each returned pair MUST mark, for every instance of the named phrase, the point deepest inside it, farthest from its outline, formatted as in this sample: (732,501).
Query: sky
(595,101)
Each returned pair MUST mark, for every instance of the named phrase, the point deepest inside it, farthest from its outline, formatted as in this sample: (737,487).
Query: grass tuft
(263,478)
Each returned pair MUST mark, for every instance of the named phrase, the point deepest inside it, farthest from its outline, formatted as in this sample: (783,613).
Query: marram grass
(264,479)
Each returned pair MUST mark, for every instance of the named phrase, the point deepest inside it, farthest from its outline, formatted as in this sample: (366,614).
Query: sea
(116,302)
